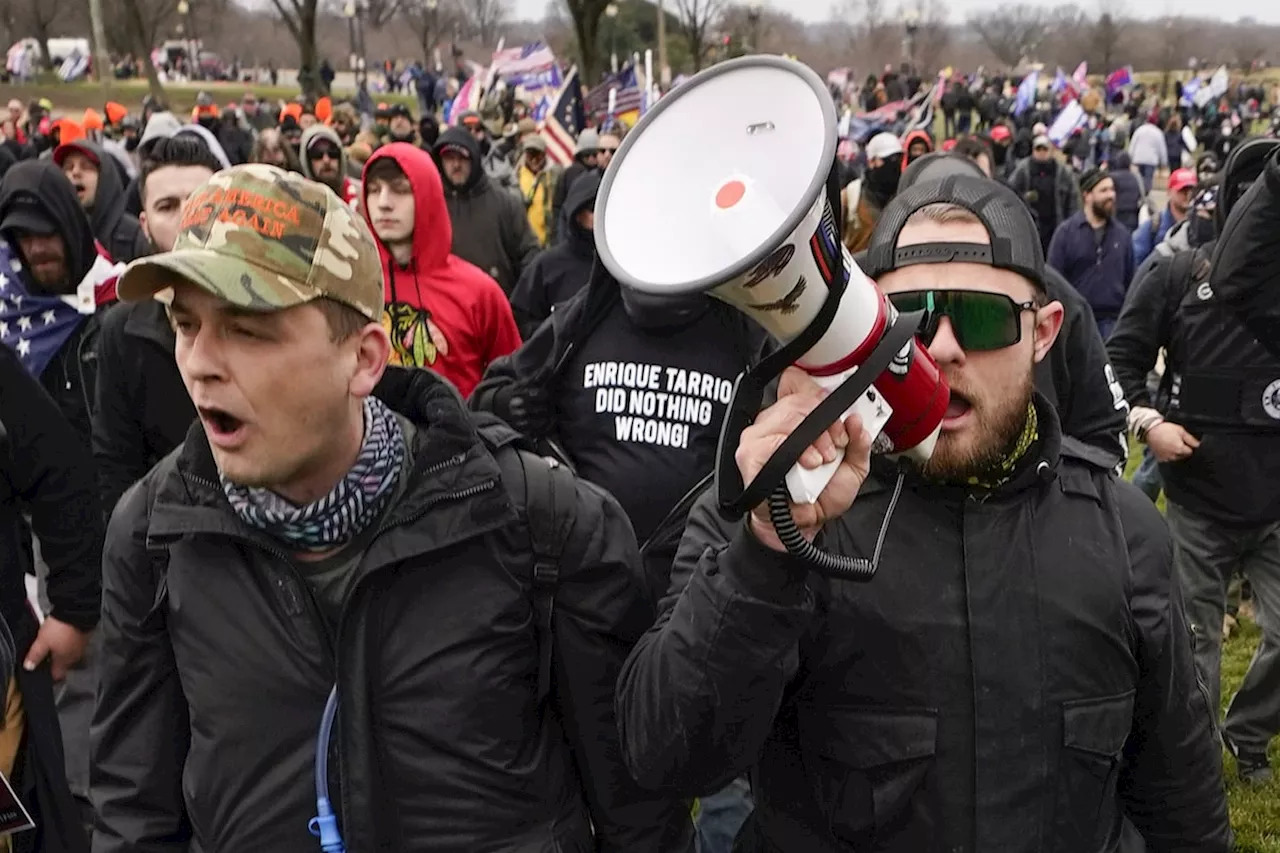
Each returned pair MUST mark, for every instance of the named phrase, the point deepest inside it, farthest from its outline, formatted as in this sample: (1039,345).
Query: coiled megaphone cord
(833,565)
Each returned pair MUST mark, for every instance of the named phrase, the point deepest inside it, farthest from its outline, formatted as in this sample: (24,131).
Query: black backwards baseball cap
(1015,243)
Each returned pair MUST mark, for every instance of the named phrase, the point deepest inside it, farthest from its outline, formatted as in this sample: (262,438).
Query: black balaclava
(882,181)
(663,312)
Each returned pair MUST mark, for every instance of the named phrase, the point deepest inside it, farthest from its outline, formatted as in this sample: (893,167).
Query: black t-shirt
(640,409)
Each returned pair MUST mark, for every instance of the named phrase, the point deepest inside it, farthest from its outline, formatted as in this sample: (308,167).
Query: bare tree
(134,30)
(139,41)
(1107,33)
(697,17)
(430,24)
(585,16)
(869,26)
(1011,32)
(486,18)
(42,14)
(1250,43)
(299,18)
(933,36)
(1173,50)
(376,14)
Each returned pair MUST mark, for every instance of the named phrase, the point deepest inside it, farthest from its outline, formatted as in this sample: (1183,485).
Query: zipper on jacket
(313,606)
(309,599)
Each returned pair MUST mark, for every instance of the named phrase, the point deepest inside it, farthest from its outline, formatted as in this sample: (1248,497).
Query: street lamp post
(910,27)
(349,12)
(611,12)
(753,27)
(189,35)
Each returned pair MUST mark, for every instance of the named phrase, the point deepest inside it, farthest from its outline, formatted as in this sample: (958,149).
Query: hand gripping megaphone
(727,186)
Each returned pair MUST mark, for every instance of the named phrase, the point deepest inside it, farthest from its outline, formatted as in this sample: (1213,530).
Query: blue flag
(1026,93)
(34,326)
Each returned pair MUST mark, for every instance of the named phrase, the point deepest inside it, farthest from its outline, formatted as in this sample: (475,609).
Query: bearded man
(1017,676)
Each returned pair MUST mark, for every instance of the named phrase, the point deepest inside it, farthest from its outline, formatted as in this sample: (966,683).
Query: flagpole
(663,69)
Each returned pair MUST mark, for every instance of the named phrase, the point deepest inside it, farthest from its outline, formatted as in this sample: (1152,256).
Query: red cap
(1181,179)
(60,153)
(948,144)
(1000,133)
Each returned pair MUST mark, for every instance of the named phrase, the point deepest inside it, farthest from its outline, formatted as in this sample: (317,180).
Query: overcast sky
(815,11)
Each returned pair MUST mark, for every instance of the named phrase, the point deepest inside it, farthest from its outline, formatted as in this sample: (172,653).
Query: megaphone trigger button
(759,126)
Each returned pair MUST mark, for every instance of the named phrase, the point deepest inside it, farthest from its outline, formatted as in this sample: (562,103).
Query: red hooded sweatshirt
(914,136)
(441,312)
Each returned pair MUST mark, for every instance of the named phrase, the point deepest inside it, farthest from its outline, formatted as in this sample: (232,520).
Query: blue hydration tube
(325,824)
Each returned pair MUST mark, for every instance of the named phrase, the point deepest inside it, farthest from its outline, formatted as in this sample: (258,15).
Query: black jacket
(1016,677)
(568,179)
(205,726)
(490,228)
(70,375)
(48,474)
(560,272)
(142,410)
(1078,379)
(116,229)
(1246,261)
(1231,477)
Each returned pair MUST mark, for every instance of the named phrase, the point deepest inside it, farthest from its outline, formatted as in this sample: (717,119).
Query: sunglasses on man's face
(322,151)
(980,320)
(608,150)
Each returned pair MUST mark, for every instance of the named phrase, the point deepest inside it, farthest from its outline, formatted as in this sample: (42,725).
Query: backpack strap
(547,493)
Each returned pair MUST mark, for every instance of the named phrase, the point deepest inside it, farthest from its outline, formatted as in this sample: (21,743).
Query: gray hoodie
(321,131)
(163,124)
(209,140)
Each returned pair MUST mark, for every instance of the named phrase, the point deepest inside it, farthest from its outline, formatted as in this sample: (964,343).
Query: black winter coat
(1231,477)
(47,473)
(1017,677)
(1246,261)
(558,273)
(1079,381)
(142,410)
(490,227)
(213,681)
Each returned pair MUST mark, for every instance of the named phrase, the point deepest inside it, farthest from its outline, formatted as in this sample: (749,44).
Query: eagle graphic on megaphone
(747,215)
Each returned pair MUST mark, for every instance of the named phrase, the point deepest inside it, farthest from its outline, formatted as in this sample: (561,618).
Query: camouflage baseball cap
(266,239)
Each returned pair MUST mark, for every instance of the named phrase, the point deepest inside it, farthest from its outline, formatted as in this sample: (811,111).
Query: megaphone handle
(736,499)
(806,484)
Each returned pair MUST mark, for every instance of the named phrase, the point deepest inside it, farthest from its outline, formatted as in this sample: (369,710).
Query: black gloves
(527,408)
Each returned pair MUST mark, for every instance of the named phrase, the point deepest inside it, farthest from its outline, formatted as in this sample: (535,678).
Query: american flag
(630,94)
(527,59)
(565,120)
(33,325)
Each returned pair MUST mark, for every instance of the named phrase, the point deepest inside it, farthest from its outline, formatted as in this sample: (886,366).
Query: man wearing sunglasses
(325,160)
(1017,676)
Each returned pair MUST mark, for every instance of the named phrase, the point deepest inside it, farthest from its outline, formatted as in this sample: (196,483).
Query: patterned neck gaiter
(1004,471)
(355,502)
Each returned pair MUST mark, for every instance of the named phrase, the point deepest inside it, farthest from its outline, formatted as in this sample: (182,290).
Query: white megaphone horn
(723,188)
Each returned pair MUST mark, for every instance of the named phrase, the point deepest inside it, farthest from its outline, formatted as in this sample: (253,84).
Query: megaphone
(727,186)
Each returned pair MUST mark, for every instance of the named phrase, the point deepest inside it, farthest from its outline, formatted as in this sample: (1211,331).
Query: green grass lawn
(1255,812)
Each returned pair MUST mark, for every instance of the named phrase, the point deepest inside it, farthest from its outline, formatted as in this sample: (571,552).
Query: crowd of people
(359,490)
